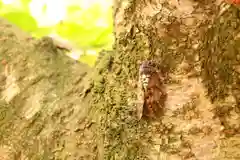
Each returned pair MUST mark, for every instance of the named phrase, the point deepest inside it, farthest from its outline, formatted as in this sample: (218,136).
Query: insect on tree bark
(153,94)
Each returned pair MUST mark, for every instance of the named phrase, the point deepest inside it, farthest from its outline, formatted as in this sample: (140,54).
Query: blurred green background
(85,24)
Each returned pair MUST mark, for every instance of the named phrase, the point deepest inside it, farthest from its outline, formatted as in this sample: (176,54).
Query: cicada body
(152,89)
(237,2)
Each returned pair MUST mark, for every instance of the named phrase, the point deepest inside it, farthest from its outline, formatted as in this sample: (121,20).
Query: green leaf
(81,26)
(22,19)
(25,4)
(44,8)
(88,59)
(85,36)
(73,9)
(104,38)
(40,32)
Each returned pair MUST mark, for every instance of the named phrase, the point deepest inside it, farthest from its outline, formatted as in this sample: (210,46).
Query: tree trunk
(55,108)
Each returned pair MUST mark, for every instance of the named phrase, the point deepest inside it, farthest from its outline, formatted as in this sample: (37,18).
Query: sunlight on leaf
(85,24)
(89,59)
(48,13)
(22,20)
(42,31)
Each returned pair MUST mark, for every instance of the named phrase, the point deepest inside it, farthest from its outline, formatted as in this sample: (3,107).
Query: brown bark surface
(55,108)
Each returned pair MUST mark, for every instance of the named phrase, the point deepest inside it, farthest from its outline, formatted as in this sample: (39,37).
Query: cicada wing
(139,111)
(140,103)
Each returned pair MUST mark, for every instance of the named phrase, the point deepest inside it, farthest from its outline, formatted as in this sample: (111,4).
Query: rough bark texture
(40,102)
(52,109)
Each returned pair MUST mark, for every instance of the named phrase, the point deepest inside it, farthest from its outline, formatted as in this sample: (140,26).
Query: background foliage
(87,25)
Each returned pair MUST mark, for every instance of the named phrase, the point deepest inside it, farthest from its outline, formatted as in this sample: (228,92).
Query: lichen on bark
(194,50)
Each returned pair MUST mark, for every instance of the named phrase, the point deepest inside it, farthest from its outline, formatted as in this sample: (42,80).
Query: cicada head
(147,68)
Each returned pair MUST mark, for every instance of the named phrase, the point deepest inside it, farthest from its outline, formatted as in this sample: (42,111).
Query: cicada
(151,90)
(237,2)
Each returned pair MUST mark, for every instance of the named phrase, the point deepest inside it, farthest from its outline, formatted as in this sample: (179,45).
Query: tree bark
(41,106)
(55,108)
